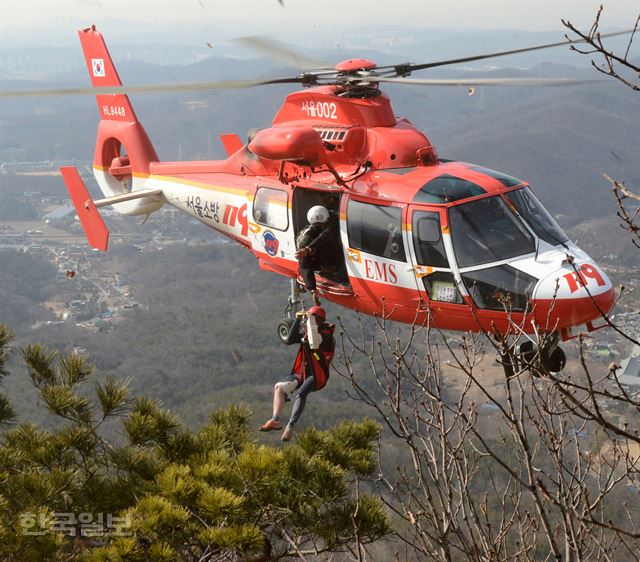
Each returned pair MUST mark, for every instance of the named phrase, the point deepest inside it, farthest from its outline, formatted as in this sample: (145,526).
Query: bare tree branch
(611,61)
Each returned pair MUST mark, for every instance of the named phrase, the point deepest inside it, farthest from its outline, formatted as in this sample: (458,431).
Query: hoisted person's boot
(271,424)
(287,434)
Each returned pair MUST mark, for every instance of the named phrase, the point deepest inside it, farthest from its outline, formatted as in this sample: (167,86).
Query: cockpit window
(486,230)
(427,239)
(446,188)
(441,287)
(504,179)
(536,216)
(500,288)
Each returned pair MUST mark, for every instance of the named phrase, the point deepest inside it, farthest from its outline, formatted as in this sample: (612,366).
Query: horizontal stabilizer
(94,228)
(140,194)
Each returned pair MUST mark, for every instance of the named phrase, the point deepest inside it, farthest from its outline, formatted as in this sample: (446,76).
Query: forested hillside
(204,336)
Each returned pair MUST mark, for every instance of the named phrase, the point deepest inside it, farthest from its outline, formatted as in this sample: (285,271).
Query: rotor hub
(354,65)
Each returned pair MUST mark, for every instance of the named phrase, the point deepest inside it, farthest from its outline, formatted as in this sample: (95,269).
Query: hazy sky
(35,20)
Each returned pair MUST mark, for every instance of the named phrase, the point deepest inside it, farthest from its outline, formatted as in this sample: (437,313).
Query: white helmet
(317,214)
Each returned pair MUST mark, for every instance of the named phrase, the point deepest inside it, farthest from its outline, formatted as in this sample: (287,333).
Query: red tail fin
(120,134)
(114,107)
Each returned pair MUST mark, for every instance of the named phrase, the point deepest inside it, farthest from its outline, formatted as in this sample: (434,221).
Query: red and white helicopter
(424,240)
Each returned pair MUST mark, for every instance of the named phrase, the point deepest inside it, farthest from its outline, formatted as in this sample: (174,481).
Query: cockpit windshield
(536,216)
(486,230)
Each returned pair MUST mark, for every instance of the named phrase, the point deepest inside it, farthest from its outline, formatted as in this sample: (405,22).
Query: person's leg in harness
(281,391)
(307,388)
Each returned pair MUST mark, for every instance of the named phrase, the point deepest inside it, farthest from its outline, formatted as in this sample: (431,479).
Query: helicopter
(421,239)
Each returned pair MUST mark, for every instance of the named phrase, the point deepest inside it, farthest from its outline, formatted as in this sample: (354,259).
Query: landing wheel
(556,361)
(527,352)
(283,329)
(551,357)
(294,304)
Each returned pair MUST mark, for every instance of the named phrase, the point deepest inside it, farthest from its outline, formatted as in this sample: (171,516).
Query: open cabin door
(332,276)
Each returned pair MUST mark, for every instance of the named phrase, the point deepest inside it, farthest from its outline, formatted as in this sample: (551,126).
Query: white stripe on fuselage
(219,207)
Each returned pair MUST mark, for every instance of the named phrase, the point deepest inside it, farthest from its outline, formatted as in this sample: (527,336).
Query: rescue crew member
(310,370)
(317,246)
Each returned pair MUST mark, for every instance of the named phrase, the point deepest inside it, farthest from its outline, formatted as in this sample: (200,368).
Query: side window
(270,208)
(376,230)
(427,239)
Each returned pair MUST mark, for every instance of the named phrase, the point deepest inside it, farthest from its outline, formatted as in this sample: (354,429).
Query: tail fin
(123,149)
(112,107)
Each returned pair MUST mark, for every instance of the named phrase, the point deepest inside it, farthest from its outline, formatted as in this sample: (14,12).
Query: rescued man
(310,370)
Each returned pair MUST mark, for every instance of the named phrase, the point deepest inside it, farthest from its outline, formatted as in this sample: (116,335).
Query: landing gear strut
(294,304)
(550,355)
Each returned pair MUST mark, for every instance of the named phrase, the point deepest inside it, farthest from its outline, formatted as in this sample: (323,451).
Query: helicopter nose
(576,293)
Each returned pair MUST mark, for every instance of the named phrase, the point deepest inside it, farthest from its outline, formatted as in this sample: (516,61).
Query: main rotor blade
(151,88)
(406,69)
(312,77)
(281,52)
(482,81)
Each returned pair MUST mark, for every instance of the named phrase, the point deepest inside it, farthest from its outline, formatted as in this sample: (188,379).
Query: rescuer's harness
(316,362)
